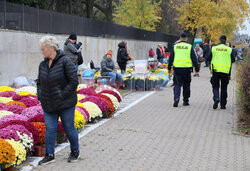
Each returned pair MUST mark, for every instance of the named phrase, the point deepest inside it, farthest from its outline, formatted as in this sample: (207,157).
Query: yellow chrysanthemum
(80,104)
(79,120)
(80,97)
(6,88)
(97,73)
(25,93)
(20,152)
(129,70)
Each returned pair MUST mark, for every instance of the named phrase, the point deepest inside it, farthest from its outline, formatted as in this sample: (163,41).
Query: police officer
(182,58)
(221,59)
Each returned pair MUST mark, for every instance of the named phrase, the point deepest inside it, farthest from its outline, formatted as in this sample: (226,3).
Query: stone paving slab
(153,135)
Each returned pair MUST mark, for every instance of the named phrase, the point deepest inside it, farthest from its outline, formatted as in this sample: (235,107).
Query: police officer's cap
(184,35)
(223,37)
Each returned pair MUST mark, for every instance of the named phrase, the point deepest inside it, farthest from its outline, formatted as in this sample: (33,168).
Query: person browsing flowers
(56,88)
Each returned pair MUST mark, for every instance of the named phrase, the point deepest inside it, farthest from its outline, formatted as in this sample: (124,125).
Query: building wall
(20,54)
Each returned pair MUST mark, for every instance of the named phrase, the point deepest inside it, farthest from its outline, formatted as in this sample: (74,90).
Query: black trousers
(122,66)
(220,81)
(182,77)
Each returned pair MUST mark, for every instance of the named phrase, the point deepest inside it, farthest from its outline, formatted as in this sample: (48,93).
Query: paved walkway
(155,136)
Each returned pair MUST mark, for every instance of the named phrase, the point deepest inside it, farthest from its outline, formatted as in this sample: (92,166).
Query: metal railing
(21,17)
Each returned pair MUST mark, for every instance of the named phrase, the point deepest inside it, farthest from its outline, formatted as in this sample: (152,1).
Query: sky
(246,30)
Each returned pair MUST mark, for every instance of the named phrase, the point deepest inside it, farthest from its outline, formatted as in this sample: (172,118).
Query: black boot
(176,103)
(216,102)
(185,103)
(223,107)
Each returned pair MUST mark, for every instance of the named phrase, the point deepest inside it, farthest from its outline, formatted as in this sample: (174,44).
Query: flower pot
(39,150)
(10,169)
(140,85)
(107,115)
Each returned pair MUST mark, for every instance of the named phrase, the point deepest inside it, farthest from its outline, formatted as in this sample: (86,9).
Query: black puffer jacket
(56,86)
(122,54)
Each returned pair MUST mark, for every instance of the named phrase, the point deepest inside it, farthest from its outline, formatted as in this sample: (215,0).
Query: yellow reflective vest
(182,55)
(221,59)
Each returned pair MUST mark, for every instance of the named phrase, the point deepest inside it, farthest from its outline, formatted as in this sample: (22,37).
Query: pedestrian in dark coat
(160,53)
(79,54)
(206,51)
(70,49)
(56,88)
(122,56)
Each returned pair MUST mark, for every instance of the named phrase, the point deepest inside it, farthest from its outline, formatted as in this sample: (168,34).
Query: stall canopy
(197,41)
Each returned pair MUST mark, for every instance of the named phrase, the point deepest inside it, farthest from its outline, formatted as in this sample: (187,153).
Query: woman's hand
(130,57)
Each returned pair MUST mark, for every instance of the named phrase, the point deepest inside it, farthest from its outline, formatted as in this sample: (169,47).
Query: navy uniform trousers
(220,81)
(182,78)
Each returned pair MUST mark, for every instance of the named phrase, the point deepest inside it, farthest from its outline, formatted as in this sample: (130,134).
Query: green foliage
(142,14)
(32,3)
(214,18)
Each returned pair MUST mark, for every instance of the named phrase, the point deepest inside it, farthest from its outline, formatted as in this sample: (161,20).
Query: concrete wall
(20,54)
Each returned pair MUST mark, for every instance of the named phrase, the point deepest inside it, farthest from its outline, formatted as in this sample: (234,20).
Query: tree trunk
(109,11)
(70,6)
(89,8)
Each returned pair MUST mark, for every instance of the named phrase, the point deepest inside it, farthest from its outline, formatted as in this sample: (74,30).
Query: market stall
(141,75)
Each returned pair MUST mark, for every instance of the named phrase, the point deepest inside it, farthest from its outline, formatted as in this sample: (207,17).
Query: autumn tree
(142,14)
(212,17)
(168,24)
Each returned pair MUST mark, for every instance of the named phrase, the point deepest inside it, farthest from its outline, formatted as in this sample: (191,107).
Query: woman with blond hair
(56,88)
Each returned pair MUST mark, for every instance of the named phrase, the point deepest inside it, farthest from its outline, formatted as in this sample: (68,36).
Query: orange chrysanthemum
(41,129)
(7,154)
(16,103)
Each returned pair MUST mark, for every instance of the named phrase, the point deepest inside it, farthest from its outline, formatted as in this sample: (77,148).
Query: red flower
(41,129)
(37,118)
(107,100)
(112,93)
(98,101)
(86,91)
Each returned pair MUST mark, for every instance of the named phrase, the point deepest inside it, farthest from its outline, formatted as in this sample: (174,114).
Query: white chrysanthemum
(80,86)
(5,113)
(5,99)
(93,109)
(30,89)
(25,140)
